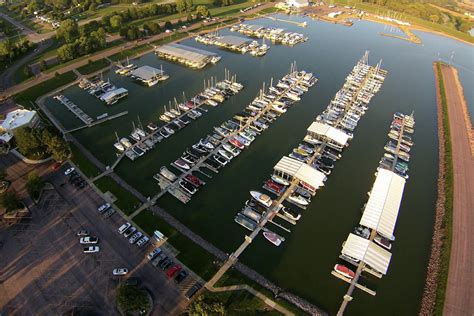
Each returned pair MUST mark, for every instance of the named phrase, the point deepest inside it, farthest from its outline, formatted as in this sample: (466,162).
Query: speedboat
(119,146)
(164,133)
(236,143)
(206,143)
(231,149)
(280,180)
(188,187)
(273,238)
(228,156)
(275,187)
(261,198)
(290,213)
(345,271)
(298,199)
(169,130)
(245,222)
(193,180)
(221,160)
(167,174)
(152,127)
(182,164)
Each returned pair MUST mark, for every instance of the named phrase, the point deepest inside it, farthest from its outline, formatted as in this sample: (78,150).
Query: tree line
(11,50)
(39,143)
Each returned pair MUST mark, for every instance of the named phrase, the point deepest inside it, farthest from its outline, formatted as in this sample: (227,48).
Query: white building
(16,119)
(297,3)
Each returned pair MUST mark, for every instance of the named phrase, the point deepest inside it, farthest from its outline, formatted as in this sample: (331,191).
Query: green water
(303,263)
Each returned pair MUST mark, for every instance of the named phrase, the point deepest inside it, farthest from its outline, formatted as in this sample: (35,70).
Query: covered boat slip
(232,41)
(147,74)
(361,249)
(114,95)
(381,210)
(325,131)
(289,168)
(190,56)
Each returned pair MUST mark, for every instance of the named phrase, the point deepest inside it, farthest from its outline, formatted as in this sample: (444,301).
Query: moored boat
(273,238)
(261,198)
(345,271)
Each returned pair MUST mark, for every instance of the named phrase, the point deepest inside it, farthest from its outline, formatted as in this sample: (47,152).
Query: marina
(74,109)
(234,43)
(103,90)
(276,35)
(328,219)
(186,55)
(149,76)
(367,248)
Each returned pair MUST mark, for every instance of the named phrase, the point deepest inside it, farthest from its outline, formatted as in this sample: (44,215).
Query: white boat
(261,198)
(273,238)
(126,142)
(298,199)
(280,180)
(119,146)
(278,108)
(167,174)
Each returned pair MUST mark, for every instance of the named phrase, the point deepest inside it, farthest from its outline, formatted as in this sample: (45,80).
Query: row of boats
(175,118)
(402,123)
(277,35)
(251,47)
(103,90)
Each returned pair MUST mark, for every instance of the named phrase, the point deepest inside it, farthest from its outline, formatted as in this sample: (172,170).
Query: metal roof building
(367,251)
(297,169)
(146,73)
(231,40)
(187,55)
(381,211)
(325,130)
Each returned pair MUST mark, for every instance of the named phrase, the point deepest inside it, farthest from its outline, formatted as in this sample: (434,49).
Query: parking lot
(43,269)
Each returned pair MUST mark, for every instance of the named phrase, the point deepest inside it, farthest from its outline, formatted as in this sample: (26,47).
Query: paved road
(43,270)
(460,289)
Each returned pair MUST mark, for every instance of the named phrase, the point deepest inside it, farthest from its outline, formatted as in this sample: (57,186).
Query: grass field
(449,188)
(44,87)
(87,167)
(93,66)
(126,201)
(193,256)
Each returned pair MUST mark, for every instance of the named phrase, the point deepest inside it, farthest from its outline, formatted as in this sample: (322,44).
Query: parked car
(88,240)
(154,253)
(158,259)
(120,271)
(143,241)
(173,270)
(109,213)
(193,290)
(103,207)
(124,227)
(166,263)
(181,276)
(68,171)
(91,249)
(129,231)
(82,233)
(135,237)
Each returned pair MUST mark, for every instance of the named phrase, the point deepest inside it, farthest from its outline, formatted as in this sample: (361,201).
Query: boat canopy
(112,94)
(381,211)
(188,53)
(368,252)
(146,73)
(231,40)
(301,171)
(328,131)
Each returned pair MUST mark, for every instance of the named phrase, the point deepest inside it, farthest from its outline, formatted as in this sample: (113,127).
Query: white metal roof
(17,118)
(233,40)
(367,251)
(113,93)
(186,52)
(381,211)
(328,131)
(146,72)
(301,171)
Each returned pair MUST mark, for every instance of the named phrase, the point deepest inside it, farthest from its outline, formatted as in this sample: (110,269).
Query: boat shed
(233,41)
(367,251)
(323,130)
(146,73)
(381,211)
(108,97)
(289,168)
(187,55)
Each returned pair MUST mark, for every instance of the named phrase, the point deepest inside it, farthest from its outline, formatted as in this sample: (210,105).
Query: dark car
(190,293)
(167,264)
(181,276)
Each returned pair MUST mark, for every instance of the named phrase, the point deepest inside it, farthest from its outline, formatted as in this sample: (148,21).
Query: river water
(304,261)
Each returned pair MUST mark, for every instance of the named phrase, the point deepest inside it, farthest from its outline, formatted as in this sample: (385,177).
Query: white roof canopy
(328,131)
(381,211)
(367,251)
(146,72)
(301,171)
(113,93)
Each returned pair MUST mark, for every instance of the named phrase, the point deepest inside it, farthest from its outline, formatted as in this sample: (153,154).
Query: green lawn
(126,201)
(86,166)
(93,66)
(193,256)
(30,95)
(449,188)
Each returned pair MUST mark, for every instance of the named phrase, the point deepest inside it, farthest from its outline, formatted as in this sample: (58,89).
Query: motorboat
(280,180)
(290,213)
(245,222)
(164,118)
(231,149)
(298,199)
(228,156)
(164,133)
(188,187)
(182,164)
(165,172)
(206,143)
(274,187)
(221,160)
(193,180)
(168,130)
(344,271)
(261,198)
(125,142)
(273,238)
(237,143)
(119,146)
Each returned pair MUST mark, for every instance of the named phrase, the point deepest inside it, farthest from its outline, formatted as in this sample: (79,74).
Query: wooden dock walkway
(97,122)
(77,111)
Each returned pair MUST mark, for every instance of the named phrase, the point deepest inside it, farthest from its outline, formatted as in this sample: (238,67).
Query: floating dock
(74,109)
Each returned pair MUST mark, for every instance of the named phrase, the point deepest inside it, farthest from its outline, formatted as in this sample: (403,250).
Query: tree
(131,299)
(10,201)
(203,306)
(68,30)
(189,5)
(34,184)
(67,52)
(56,146)
(202,11)
(168,25)
(181,5)
(434,18)
(28,142)
(116,22)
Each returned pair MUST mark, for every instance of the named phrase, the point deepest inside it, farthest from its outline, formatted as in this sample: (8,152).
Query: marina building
(288,169)
(113,96)
(16,119)
(233,42)
(297,3)
(148,75)
(322,131)
(186,55)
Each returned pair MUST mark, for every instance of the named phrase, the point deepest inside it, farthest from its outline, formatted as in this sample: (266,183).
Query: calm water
(303,263)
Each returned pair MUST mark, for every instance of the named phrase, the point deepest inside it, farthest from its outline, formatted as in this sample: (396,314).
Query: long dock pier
(97,122)
(74,109)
